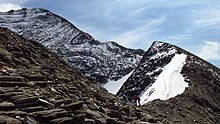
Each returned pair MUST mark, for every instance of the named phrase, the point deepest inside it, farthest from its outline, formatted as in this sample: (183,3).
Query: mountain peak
(151,65)
(169,78)
(101,61)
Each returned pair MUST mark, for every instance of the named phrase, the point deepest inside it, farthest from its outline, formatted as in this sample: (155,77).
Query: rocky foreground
(38,87)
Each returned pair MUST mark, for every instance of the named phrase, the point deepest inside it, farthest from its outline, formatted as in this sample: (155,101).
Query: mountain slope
(38,87)
(101,61)
(150,67)
(175,86)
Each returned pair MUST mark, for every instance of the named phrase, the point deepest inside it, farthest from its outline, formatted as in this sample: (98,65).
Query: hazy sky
(193,25)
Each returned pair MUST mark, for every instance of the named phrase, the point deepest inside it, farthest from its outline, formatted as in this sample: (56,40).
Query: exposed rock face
(38,87)
(101,61)
(199,103)
(157,56)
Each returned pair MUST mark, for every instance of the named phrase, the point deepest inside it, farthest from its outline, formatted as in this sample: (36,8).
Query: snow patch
(169,83)
(114,86)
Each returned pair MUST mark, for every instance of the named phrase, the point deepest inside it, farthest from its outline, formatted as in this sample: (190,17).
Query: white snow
(169,83)
(114,86)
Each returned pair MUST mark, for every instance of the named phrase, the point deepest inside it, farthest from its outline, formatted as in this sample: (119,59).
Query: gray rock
(6,105)
(26,100)
(111,121)
(89,121)
(100,121)
(93,114)
(74,106)
(33,109)
(11,78)
(14,113)
(9,120)
(62,101)
(115,114)
(13,84)
(46,112)
(54,115)
(35,77)
(78,118)
(29,120)
(64,120)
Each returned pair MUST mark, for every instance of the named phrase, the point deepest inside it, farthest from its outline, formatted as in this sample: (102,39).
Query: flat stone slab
(35,77)
(62,120)
(26,100)
(9,120)
(11,78)
(12,84)
(6,105)
(46,112)
(74,106)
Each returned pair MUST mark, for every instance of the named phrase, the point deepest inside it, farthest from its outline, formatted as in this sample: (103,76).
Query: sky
(193,25)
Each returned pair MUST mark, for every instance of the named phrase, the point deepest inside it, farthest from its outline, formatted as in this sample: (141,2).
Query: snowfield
(114,86)
(169,83)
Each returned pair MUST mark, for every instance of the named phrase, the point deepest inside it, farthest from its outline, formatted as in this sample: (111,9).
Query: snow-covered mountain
(101,61)
(158,74)
(175,84)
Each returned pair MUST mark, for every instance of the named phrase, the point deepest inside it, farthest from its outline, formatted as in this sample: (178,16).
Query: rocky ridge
(101,61)
(37,86)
